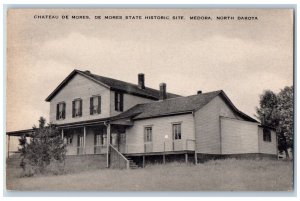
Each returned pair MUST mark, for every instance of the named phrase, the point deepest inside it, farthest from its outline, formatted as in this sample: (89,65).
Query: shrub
(45,148)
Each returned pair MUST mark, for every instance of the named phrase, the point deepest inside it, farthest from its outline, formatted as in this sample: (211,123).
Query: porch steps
(132,164)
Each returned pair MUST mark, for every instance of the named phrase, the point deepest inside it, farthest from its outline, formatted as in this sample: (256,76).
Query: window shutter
(57,111)
(80,107)
(64,111)
(91,105)
(121,102)
(99,105)
(73,108)
(116,101)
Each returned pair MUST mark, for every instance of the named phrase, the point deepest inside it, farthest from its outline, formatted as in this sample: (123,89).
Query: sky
(241,57)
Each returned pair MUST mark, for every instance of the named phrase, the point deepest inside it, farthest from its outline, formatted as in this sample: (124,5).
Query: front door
(122,143)
(148,146)
(80,144)
(177,142)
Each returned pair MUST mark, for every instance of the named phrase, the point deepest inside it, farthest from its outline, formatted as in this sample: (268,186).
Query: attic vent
(87,71)
(199,92)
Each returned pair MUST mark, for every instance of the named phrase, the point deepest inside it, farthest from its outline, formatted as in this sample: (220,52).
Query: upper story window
(119,99)
(95,105)
(267,135)
(177,131)
(148,134)
(61,111)
(77,108)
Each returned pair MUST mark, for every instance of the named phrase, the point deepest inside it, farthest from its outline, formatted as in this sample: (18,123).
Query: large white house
(129,124)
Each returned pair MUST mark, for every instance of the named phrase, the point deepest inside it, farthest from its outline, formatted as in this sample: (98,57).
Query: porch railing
(117,160)
(168,145)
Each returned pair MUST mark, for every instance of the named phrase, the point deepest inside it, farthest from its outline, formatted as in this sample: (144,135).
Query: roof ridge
(136,85)
(180,97)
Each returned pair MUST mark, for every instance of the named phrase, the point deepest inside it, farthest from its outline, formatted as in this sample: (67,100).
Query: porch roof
(27,132)
(102,121)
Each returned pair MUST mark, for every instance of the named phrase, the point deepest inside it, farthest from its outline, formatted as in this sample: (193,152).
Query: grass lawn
(218,175)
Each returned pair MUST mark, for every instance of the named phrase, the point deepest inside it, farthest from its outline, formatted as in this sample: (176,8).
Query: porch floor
(159,153)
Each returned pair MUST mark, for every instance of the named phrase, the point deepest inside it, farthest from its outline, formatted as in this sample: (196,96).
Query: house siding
(161,127)
(238,136)
(267,147)
(80,87)
(207,125)
(129,102)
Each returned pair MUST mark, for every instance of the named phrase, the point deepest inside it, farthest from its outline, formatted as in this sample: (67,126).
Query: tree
(46,146)
(276,110)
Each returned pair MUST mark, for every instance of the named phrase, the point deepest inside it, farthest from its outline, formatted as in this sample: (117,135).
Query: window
(148,134)
(100,137)
(119,101)
(267,135)
(60,111)
(77,108)
(80,142)
(95,105)
(68,140)
(98,140)
(177,131)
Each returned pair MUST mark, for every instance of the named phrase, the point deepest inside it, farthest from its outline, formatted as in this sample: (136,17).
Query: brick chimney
(141,81)
(162,91)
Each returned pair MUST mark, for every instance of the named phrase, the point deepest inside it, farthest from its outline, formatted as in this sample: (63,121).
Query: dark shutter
(64,111)
(91,105)
(73,108)
(99,105)
(116,101)
(80,107)
(121,102)
(57,111)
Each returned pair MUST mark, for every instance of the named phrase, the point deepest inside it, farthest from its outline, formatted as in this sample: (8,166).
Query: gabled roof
(112,84)
(180,105)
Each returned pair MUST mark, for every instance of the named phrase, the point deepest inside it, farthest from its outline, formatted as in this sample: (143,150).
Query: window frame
(74,109)
(267,135)
(119,101)
(175,136)
(63,112)
(146,137)
(92,106)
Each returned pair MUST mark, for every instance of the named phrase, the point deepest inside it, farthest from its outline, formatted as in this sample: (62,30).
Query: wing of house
(103,116)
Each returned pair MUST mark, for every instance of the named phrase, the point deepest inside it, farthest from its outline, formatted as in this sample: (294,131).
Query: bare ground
(218,175)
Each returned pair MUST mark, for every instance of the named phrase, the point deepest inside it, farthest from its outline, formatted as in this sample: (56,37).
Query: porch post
(196,159)
(8,142)
(62,134)
(143,161)
(164,158)
(84,139)
(107,144)
(186,158)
